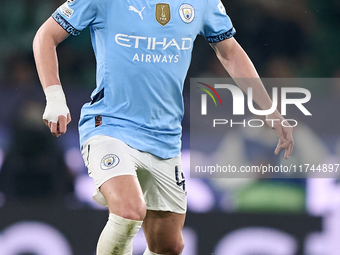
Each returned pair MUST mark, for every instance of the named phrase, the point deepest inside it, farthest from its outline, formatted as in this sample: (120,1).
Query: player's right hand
(60,127)
(57,114)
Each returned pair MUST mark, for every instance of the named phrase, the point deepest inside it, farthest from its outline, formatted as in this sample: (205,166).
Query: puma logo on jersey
(132,8)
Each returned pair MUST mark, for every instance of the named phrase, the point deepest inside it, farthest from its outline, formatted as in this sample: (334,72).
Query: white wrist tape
(55,103)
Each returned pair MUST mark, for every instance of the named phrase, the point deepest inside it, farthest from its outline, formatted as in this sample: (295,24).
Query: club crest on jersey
(70,1)
(109,161)
(187,13)
(163,14)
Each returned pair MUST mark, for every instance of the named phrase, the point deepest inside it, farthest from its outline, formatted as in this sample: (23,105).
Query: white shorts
(162,180)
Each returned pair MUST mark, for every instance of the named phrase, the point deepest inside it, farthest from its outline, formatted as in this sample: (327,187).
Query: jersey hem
(157,147)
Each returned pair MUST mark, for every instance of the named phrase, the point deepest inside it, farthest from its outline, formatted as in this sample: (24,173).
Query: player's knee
(171,248)
(136,212)
(179,247)
(132,207)
(133,210)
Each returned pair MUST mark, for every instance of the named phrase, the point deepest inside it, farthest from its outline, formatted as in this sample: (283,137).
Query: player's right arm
(46,40)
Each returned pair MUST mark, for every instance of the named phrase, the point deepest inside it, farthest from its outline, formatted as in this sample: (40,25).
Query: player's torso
(153,31)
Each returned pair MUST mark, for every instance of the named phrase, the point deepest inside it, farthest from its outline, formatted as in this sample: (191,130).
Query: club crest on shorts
(163,14)
(187,13)
(109,161)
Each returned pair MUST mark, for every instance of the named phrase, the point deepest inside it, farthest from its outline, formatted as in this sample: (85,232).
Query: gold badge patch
(163,13)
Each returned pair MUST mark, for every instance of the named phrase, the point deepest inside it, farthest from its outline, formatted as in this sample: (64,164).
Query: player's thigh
(112,166)
(163,231)
(163,185)
(124,197)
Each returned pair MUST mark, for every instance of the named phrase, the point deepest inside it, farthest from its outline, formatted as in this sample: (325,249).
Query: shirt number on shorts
(180,180)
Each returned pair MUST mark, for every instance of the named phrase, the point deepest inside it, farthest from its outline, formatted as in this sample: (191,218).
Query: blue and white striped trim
(64,24)
(221,37)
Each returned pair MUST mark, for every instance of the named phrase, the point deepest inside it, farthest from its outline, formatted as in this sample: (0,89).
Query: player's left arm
(239,66)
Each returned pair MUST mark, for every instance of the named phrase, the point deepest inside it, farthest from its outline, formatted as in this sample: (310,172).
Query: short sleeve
(75,15)
(217,25)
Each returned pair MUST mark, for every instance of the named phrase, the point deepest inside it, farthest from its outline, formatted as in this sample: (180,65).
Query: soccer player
(130,131)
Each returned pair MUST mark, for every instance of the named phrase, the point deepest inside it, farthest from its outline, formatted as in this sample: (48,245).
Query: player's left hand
(284,132)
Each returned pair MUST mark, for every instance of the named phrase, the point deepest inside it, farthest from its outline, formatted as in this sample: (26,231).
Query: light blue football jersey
(143,51)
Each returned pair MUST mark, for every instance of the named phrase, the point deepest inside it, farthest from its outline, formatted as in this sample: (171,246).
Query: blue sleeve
(217,25)
(75,15)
